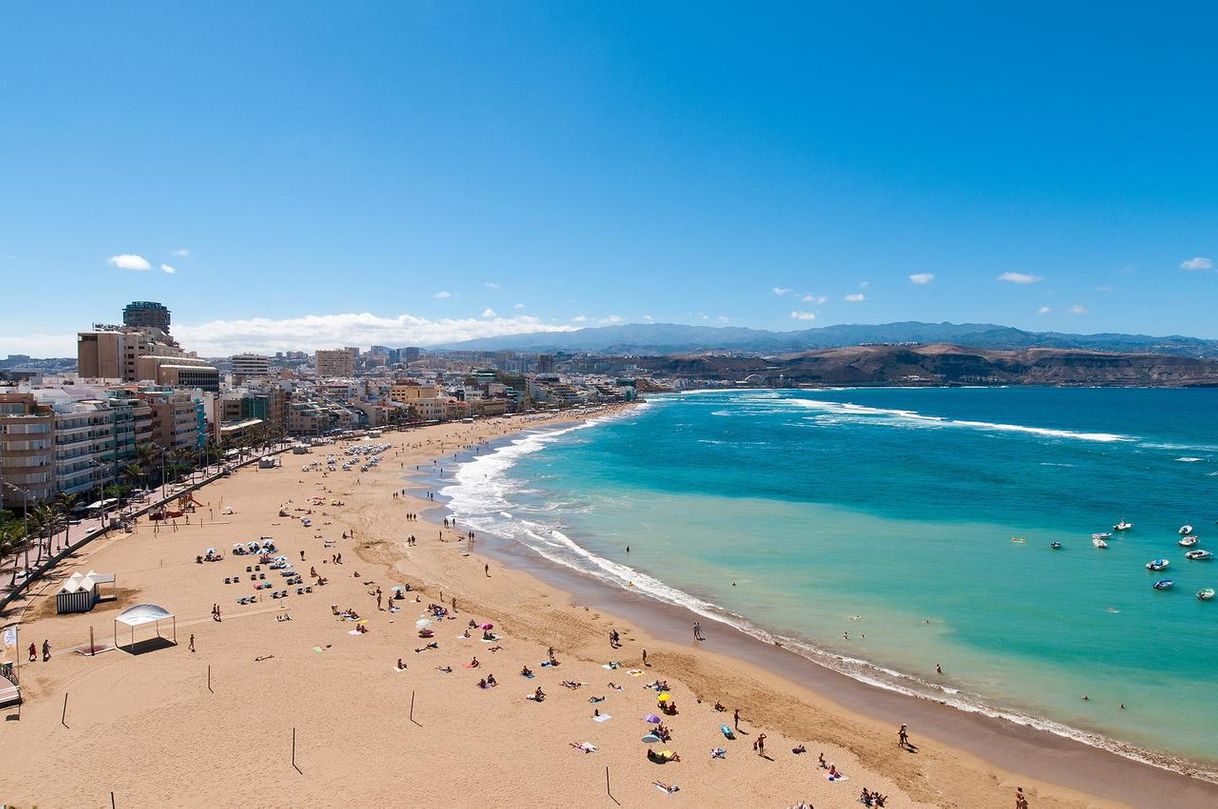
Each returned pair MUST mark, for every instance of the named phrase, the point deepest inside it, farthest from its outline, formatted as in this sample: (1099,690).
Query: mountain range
(673,338)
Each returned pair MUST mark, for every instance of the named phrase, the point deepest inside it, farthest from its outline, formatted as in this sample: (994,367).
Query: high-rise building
(545,363)
(409,354)
(248,366)
(27,450)
(334,363)
(143,314)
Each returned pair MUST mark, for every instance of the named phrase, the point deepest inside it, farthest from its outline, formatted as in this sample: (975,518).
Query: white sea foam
(1189,460)
(913,418)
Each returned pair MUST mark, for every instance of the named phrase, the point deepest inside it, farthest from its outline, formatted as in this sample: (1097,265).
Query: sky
(302,175)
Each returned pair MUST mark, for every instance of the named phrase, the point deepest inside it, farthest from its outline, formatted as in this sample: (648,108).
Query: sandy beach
(149,727)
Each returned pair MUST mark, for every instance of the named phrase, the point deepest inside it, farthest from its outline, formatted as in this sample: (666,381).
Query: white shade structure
(142,614)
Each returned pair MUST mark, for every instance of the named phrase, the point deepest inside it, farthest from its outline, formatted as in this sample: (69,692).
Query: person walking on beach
(1020,801)
(698,631)
(192,642)
(46,650)
(903,738)
(487,570)
(736,719)
(33,652)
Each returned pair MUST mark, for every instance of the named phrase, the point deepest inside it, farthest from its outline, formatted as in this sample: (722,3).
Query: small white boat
(1164,584)
(1055,545)
(1185,530)
(1122,526)
(1158,564)
(1098,542)
(1189,541)
(1102,535)
(1205,594)
(1199,555)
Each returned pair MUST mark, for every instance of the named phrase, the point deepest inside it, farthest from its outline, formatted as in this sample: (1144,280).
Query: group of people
(46,651)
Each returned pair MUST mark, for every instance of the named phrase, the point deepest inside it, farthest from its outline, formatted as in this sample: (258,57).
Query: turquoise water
(888,514)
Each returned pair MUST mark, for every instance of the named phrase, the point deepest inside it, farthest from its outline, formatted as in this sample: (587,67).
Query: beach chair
(299,591)
(249,569)
(308,589)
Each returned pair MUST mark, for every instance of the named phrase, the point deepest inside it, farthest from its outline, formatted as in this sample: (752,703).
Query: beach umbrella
(664,696)
(487,626)
(422,623)
(652,718)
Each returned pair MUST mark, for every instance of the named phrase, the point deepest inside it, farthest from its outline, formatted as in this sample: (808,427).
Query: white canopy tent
(140,615)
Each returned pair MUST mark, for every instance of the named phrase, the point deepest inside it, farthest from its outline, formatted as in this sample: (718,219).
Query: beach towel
(587,747)
(838,777)
(602,718)
(667,789)
(635,672)
(355,632)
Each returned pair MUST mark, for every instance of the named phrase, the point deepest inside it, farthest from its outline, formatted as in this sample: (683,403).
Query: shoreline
(1010,744)
(313,675)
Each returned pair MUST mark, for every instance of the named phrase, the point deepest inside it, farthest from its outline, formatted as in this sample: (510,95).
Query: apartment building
(250,366)
(27,450)
(178,420)
(337,362)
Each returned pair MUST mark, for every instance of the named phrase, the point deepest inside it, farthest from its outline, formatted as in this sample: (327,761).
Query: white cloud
(611,320)
(181,251)
(648,319)
(803,315)
(310,332)
(922,277)
(780,291)
(1044,310)
(817,299)
(857,297)
(489,312)
(442,294)
(130,261)
(168,270)
(580,319)
(490,285)
(864,284)
(1078,309)
(1198,263)
(1020,278)
(518,307)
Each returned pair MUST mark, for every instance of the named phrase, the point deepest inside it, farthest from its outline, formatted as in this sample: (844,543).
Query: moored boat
(1099,542)
(1189,541)
(1122,526)
(1199,555)
(1157,564)
(1055,545)
(1164,584)
(1102,535)
(1205,594)
(1184,530)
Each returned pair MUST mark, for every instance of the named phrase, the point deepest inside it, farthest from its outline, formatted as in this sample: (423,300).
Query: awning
(142,614)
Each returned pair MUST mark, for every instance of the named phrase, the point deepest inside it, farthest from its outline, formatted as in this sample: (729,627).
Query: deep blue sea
(872,529)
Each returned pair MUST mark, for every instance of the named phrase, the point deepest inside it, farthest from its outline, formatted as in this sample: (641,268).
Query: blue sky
(319,173)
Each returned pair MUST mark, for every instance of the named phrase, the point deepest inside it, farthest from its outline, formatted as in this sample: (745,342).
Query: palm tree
(43,520)
(66,501)
(132,473)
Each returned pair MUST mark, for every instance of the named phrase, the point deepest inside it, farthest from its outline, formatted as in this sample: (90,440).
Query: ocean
(872,530)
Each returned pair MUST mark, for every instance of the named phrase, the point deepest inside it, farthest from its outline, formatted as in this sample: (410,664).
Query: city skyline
(413,175)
